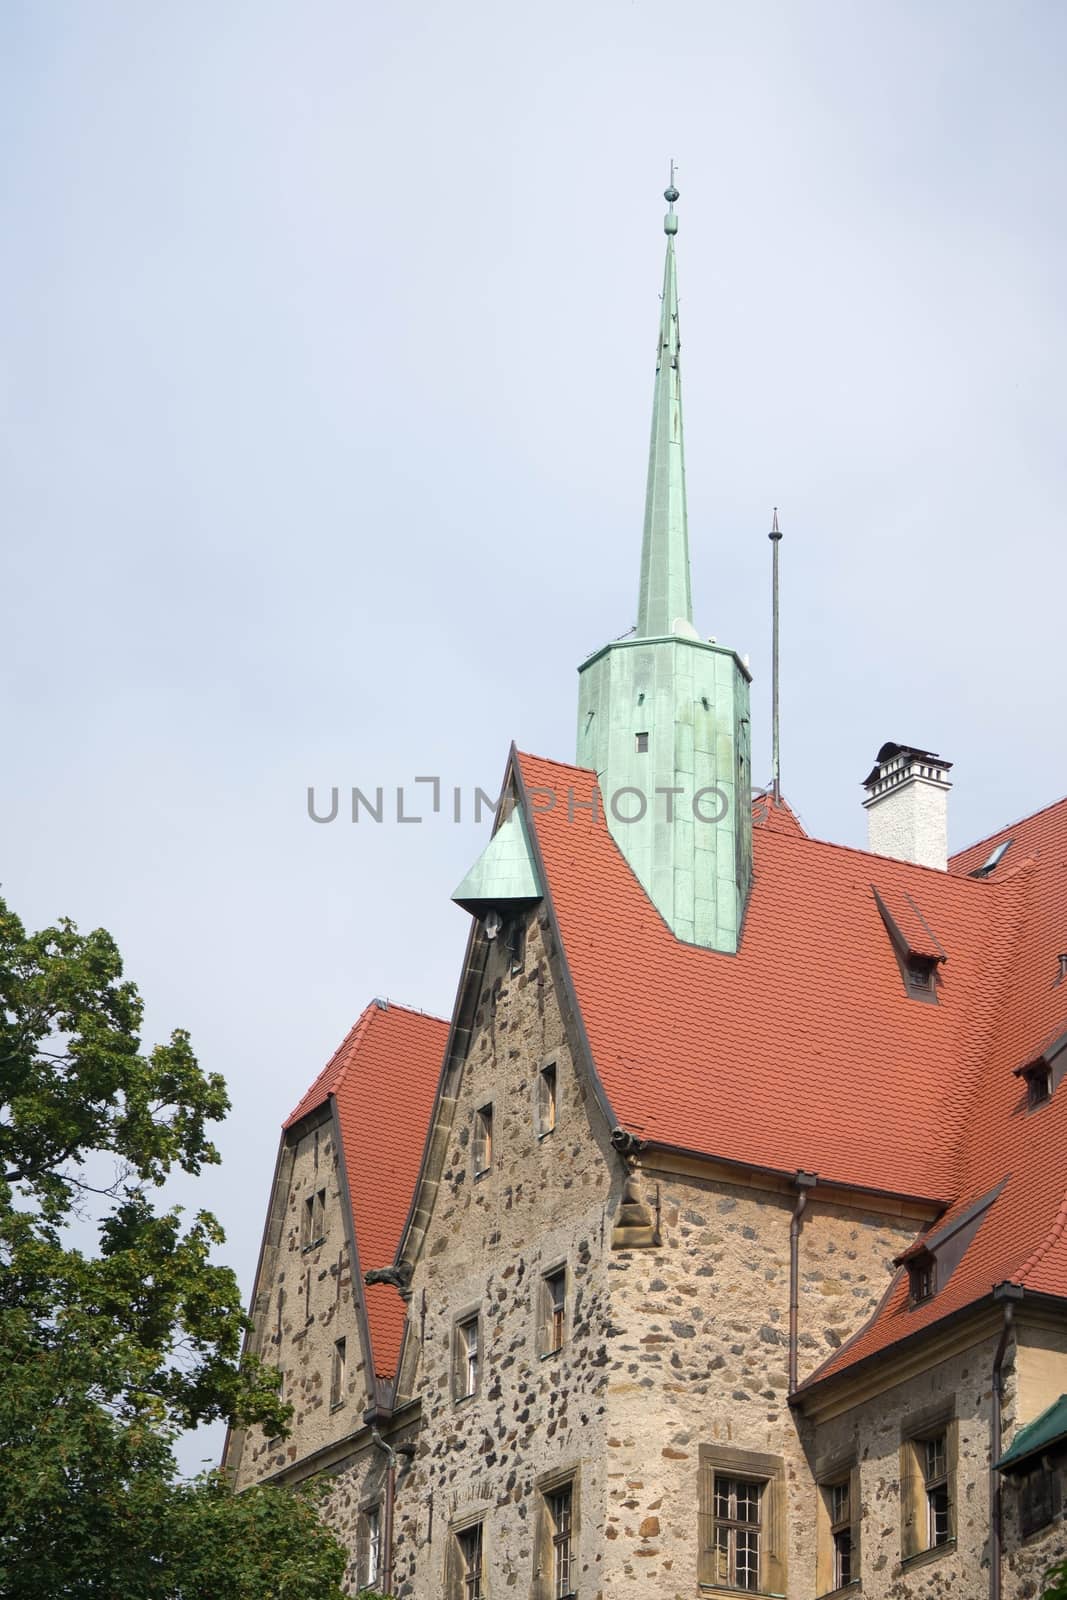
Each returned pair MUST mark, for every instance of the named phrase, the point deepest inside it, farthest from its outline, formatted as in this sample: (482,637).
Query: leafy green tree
(107,1353)
(1056,1582)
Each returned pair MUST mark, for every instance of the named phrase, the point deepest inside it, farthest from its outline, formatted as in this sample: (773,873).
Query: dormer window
(918,951)
(1042,1074)
(921,971)
(922,1273)
(1038,1084)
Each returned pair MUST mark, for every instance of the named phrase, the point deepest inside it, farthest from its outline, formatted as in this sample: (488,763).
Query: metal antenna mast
(775,536)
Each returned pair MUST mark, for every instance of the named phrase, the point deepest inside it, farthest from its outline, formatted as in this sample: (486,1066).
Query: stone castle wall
(669,1348)
(543,1203)
(304,1305)
(700,1357)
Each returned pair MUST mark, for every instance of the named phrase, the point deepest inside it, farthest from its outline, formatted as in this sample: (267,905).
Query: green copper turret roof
(665,598)
(505,875)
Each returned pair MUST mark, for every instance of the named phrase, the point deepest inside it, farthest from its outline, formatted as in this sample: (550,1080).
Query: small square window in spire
(642,744)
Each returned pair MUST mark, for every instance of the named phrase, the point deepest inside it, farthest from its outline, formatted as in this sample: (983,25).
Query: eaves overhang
(694,643)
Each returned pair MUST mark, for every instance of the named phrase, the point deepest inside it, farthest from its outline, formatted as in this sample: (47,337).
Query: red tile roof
(806,1051)
(911,925)
(383,1078)
(803,1051)
(779,818)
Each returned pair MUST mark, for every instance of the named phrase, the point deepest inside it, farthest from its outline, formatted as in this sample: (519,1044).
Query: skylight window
(994,860)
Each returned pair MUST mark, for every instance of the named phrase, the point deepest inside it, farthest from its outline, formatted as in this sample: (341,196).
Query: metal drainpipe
(804,1181)
(1007,1293)
(387,1519)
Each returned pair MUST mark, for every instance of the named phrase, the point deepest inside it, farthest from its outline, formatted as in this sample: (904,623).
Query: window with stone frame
(483,1140)
(515,942)
(741,1520)
(470,1555)
(465,1563)
(838,1526)
(313,1226)
(369,1551)
(553,1317)
(466,1356)
(337,1373)
(1038,1490)
(928,1459)
(546,1099)
(556,1538)
(562,1528)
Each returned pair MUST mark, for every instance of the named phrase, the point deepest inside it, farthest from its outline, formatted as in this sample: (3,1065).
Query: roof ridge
(1017,822)
(550,761)
(805,838)
(936,873)
(412,1011)
(355,1033)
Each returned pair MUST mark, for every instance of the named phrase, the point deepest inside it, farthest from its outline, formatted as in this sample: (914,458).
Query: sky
(327,342)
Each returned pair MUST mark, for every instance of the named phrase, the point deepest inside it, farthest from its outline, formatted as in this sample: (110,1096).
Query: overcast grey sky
(326,356)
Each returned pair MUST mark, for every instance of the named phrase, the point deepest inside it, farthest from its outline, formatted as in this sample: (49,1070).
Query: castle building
(718,1243)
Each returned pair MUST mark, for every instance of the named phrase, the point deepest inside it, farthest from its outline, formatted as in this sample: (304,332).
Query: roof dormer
(918,951)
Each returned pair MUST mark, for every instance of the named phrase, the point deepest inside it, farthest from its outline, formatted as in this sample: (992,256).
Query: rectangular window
(1038,1499)
(738,1521)
(372,1547)
(337,1373)
(741,1525)
(560,1508)
(642,744)
(841,1533)
(470,1562)
(313,1227)
(515,943)
(546,1099)
(922,1273)
(837,1532)
(555,1310)
(483,1140)
(1038,1084)
(928,1487)
(935,1481)
(466,1358)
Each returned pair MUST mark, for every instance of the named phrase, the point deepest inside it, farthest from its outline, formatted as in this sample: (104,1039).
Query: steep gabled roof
(805,1050)
(382,1078)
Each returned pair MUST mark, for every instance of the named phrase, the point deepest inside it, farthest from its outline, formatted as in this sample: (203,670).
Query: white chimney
(907,806)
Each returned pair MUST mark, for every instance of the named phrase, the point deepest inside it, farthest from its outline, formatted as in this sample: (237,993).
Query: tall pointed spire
(665,596)
(663,715)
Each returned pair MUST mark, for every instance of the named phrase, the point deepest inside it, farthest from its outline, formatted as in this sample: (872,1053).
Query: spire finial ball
(670,194)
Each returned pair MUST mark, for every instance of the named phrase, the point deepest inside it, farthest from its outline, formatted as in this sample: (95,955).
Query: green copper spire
(665,598)
(663,715)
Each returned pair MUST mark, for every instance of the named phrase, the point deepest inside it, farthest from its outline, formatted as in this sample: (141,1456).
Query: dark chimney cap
(889,750)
